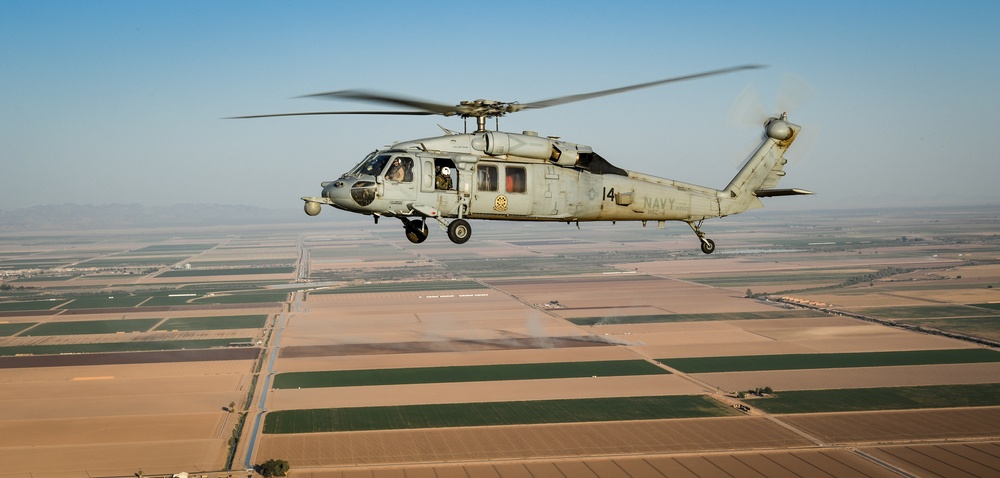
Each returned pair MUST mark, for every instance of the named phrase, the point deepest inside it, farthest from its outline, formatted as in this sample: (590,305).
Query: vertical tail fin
(761,173)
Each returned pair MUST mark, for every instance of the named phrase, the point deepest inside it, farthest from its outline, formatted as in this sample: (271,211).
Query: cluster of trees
(759,391)
(874,276)
(272,467)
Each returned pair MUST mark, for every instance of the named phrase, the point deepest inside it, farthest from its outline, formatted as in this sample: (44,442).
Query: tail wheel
(707,246)
(459,231)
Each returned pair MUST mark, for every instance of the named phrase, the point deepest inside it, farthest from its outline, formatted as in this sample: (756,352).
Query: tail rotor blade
(748,110)
(794,92)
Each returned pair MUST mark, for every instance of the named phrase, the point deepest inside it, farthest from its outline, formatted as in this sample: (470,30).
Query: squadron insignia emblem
(501,203)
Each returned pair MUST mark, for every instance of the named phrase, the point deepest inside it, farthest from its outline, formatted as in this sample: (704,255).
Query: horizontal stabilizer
(767,193)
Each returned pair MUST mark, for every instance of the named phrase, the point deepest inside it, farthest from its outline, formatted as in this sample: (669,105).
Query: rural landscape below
(833,343)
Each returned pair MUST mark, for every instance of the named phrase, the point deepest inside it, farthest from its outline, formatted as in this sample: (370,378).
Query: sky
(123,102)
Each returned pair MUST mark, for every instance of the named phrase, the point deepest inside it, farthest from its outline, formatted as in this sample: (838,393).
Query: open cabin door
(439,179)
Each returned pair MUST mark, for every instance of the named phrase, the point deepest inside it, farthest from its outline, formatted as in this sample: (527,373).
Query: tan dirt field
(769,337)
(670,296)
(471,392)
(529,441)
(942,460)
(443,359)
(112,420)
(771,464)
(116,459)
(899,425)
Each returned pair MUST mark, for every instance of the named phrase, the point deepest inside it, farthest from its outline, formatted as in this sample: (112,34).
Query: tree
(272,467)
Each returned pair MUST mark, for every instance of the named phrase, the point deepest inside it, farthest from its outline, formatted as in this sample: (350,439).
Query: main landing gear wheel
(459,231)
(416,232)
(707,246)
(417,236)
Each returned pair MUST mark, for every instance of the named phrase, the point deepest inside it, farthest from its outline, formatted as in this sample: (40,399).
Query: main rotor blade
(585,96)
(317,113)
(396,100)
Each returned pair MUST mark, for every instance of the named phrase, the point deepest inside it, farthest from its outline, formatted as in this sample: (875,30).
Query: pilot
(444,178)
(396,171)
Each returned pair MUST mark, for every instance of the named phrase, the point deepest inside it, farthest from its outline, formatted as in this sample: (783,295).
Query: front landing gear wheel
(459,231)
(416,234)
(707,246)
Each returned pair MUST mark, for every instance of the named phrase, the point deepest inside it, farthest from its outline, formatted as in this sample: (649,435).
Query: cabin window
(516,180)
(487,177)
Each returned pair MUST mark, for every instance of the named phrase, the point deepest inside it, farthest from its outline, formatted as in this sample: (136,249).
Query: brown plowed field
(529,441)
(771,464)
(901,425)
(118,459)
(943,460)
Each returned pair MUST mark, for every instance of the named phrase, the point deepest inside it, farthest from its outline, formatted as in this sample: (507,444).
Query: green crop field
(23,305)
(214,323)
(470,373)
(227,272)
(662,318)
(11,329)
(493,413)
(415,286)
(243,297)
(923,312)
(986,327)
(886,398)
(811,277)
(175,249)
(132,261)
(118,347)
(836,360)
(87,327)
(104,301)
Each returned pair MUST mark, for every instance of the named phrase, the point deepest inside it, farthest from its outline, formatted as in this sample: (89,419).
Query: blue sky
(121,102)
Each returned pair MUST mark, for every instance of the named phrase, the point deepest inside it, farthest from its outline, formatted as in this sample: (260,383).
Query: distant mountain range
(77,216)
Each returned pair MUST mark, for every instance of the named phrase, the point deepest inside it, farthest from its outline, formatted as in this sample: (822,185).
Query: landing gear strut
(416,231)
(707,245)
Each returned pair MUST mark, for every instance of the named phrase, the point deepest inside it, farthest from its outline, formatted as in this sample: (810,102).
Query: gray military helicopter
(496,175)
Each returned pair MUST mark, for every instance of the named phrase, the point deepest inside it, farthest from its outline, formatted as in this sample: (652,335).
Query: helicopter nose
(331,188)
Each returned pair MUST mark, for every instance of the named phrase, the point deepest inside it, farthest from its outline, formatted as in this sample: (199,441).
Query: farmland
(541,349)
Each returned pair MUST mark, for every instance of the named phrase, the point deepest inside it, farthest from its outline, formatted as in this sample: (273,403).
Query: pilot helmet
(446,171)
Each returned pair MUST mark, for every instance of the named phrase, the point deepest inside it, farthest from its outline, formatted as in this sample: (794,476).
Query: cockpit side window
(400,170)
(373,166)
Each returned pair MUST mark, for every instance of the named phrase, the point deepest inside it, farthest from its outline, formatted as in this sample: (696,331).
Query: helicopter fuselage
(494,175)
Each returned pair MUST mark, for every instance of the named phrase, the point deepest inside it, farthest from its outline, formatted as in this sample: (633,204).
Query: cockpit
(392,167)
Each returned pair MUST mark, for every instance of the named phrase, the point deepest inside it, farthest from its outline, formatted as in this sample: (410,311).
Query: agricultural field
(885,398)
(492,414)
(828,360)
(469,373)
(534,348)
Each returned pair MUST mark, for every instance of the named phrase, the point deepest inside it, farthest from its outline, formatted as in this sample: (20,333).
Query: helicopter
(496,175)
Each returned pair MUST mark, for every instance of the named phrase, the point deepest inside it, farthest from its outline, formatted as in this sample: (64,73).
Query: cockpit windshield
(372,165)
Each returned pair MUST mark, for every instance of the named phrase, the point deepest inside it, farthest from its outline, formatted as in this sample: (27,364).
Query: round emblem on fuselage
(501,203)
